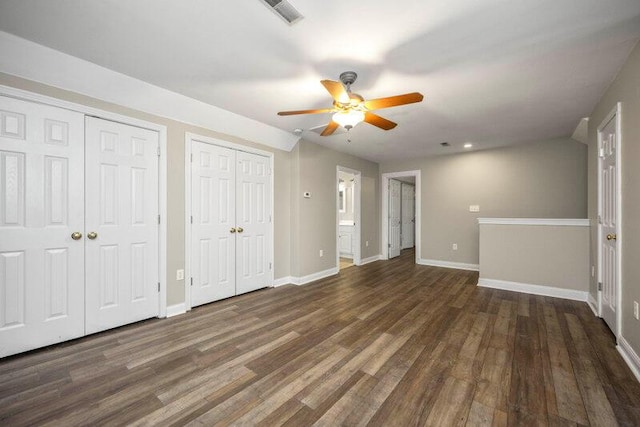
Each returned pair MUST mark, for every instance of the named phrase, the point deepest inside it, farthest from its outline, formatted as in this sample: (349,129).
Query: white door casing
(608,139)
(252,222)
(213,224)
(122,283)
(408,215)
(41,205)
(395,220)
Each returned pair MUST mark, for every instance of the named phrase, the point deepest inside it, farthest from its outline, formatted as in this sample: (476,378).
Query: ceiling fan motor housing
(348,78)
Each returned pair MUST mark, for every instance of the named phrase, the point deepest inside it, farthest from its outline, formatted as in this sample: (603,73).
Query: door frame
(357,217)
(384,234)
(617,112)
(189,137)
(162,166)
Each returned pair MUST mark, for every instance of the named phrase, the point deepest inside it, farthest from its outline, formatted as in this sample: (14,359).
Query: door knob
(240,229)
(233,230)
(92,235)
(76,235)
(612,237)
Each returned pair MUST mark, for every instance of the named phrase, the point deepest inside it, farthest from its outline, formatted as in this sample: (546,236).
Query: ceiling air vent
(284,10)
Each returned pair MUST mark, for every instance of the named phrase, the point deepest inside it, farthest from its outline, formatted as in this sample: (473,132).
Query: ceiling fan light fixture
(348,119)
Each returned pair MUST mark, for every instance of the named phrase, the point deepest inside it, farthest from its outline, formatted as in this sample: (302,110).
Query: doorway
(348,189)
(393,222)
(609,220)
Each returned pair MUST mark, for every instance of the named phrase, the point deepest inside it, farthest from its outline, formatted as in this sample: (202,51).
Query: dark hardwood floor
(390,343)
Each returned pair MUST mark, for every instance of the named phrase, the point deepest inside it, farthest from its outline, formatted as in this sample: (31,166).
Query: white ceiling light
(348,119)
(468,145)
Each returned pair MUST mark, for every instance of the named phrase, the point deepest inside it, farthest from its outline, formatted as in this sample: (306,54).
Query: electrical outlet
(180,274)
(366,243)
(321,253)
(474,208)
(454,246)
(636,310)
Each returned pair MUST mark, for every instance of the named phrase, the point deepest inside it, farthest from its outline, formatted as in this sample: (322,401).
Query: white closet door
(122,209)
(408,215)
(41,205)
(394,217)
(253,222)
(213,230)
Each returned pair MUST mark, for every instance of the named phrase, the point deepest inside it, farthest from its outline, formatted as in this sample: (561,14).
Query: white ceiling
(493,72)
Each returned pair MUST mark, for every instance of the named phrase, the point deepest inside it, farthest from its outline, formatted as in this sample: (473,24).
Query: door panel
(608,226)
(408,215)
(122,208)
(253,206)
(213,209)
(41,205)
(394,217)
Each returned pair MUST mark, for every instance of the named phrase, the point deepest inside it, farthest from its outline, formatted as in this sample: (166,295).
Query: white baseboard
(348,256)
(370,259)
(449,264)
(528,288)
(176,309)
(593,304)
(630,356)
(287,280)
(314,276)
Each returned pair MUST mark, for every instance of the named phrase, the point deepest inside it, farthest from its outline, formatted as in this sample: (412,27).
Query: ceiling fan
(350,108)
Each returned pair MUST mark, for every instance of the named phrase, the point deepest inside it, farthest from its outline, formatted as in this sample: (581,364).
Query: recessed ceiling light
(297,131)
(468,145)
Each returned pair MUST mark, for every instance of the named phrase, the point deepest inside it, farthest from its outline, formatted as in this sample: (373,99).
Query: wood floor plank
(388,343)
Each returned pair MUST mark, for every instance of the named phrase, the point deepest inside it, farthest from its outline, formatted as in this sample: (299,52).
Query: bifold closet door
(230,224)
(41,210)
(122,280)
(213,189)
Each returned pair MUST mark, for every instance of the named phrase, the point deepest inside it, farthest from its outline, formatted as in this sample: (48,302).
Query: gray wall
(314,170)
(545,179)
(175,182)
(302,226)
(625,89)
(544,255)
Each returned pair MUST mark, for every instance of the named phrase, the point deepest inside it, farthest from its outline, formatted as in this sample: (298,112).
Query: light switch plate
(474,208)
(180,274)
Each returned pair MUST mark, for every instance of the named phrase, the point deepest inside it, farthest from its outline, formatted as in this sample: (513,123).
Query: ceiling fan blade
(291,113)
(336,90)
(381,122)
(393,101)
(331,127)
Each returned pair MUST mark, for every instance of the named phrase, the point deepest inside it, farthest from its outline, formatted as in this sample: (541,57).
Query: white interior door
(122,281)
(213,247)
(408,215)
(395,220)
(41,205)
(608,226)
(253,189)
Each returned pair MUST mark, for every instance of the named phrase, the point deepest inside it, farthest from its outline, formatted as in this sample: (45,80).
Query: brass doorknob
(92,235)
(240,229)
(233,230)
(76,235)
(611,237)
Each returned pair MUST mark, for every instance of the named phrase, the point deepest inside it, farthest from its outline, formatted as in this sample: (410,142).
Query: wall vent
(284,10)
